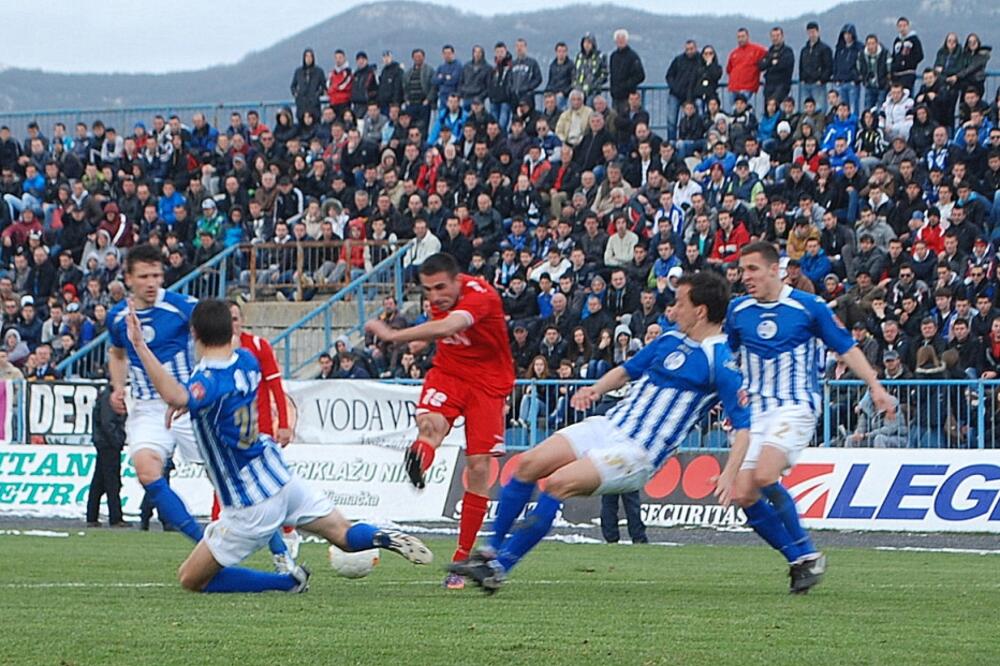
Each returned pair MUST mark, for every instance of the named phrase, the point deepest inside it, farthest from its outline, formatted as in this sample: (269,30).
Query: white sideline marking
(38,533)
(34,586)
(921,549)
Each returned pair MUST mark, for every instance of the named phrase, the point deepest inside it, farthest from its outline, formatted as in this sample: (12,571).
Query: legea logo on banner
(898,490)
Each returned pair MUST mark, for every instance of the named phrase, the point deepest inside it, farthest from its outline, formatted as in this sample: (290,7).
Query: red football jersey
(270,383)
(480,353)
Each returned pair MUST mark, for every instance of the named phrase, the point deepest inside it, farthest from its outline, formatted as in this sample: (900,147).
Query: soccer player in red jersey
(270,387)
(472,376)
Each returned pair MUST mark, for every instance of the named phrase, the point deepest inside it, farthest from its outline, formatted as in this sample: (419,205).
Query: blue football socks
(172,510)
(766,522)
(513,498)
(529,531)
(784,505)
(277,544)
(362,536)
(238,579)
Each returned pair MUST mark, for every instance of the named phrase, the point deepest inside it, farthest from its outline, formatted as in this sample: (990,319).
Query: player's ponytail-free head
(764,249)
(142,254)
(441,262)
(212,323)
(709,289)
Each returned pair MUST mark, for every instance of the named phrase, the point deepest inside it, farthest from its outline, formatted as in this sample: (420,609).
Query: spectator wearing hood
(308,85)
(17,350)
(626,346)
(590,68)
(626,72)
(845,74)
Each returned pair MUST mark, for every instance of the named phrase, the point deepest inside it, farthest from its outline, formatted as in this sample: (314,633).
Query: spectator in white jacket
(897,112)
(424,245)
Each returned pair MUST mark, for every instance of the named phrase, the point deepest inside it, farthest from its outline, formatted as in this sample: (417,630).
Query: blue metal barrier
(935,414)
(303,341)
(210,280)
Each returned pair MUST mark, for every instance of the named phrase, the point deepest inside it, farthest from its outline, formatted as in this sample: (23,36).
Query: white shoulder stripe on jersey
(746,304)
(791,302)
(466,314)
(169,307)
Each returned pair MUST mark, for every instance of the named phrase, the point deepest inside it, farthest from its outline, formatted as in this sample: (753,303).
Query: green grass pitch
(111,598)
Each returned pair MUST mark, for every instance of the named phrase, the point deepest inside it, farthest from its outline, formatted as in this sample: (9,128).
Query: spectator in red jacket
(341,80)
(741,68)
(729,240)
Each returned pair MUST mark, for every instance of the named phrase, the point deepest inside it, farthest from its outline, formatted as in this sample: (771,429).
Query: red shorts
(452,397)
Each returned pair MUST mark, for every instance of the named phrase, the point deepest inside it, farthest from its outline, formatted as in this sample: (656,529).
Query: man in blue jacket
(815,264)
(448,75)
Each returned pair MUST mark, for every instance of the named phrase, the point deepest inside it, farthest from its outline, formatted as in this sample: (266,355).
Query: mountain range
(401,26)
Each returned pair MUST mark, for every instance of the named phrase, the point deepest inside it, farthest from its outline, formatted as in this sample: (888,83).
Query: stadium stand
(877,175)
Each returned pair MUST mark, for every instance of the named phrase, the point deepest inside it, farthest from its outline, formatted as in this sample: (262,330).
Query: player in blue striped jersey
(164,317)
(259,493)
(678,378)
(780,336)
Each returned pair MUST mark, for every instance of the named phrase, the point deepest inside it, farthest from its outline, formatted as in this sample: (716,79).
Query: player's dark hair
(143,254)
(764,249)
(439,263)
(212,322)
(708,289)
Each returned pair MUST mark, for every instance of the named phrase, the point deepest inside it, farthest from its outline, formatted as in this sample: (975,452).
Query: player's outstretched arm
(586,396)
(427,332)
(172,391)
(855,359)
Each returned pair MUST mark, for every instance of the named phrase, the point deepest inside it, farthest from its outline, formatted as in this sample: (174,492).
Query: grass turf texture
(567,604)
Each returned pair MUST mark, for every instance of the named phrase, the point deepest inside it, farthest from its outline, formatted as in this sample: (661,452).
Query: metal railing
(933,414)
(210,280)
(302,342)
(654,98)
(300,270)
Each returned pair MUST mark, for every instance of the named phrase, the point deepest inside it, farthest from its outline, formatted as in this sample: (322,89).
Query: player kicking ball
(472,376)
(779,334)
(678,378)
(258,492)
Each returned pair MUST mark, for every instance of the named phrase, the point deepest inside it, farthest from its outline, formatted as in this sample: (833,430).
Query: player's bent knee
(189,579)
(763,478)
(148,467)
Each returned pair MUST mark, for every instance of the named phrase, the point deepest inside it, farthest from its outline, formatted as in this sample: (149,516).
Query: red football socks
(426,453)
(473,513)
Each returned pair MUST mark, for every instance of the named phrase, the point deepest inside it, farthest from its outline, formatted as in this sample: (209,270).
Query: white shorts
(146,428)
(788,429)
(623,464)
(240,532)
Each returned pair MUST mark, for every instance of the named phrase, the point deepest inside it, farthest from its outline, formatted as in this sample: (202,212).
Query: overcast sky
(142,36)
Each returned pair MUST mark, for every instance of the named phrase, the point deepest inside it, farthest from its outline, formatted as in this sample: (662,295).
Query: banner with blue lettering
(358,411)
(936,490)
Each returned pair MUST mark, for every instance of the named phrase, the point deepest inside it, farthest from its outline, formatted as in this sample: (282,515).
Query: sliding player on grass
(679,377)
(258,492)
(472,376)
(779,334)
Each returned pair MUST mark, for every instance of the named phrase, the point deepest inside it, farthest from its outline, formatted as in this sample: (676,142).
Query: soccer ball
(353,565)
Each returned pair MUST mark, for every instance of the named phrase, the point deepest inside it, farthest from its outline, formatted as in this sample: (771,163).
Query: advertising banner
(857,489)
(358,411)
(364,482)
(61,412)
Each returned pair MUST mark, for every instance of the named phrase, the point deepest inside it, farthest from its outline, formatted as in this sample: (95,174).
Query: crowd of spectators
(876,177)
